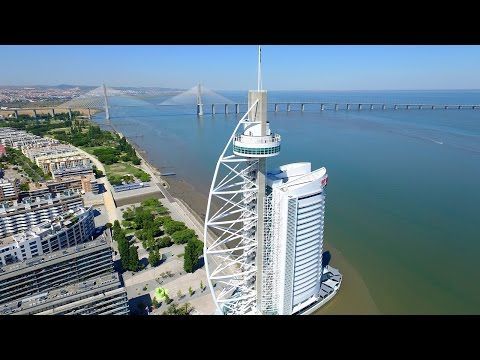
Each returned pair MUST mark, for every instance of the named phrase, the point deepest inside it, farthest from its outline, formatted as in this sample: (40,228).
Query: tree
(193,251)
(182,236)
(155,303)
(24,186)
(202,287)
(153,257)
(179,294)
(164,241)
(133,259)
(167,299)
(172,226)
(190,291)
(116,228)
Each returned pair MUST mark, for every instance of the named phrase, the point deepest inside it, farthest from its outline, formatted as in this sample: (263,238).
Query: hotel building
(296,202)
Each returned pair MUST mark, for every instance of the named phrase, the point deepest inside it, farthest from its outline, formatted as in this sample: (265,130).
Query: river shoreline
(352,298)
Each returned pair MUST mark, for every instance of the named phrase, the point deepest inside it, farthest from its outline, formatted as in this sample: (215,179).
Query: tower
(107,114)
(199,100)
(234,226)
(264,231)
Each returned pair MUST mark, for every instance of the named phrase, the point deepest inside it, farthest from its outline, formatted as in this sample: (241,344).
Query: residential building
(17,217)
(19,138)
(33,151)
(103,295)
(83,183)
(63,161)
(9,189)
(69,229)
(73,171)
(56,269)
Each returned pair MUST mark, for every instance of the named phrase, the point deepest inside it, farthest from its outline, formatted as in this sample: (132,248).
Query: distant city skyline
(233,67)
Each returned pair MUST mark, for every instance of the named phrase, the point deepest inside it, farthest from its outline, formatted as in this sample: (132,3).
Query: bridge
(98,99)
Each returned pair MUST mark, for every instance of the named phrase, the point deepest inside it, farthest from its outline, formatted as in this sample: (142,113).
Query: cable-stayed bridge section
(207,101)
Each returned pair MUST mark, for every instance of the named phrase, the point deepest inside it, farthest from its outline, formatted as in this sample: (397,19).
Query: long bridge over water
(100,101)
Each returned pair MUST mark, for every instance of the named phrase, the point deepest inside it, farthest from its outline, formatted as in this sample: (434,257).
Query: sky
(234,67)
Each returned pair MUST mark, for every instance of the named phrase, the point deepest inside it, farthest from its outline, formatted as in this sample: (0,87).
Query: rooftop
(54,256)
(51,226)
(60,293)
(294,176)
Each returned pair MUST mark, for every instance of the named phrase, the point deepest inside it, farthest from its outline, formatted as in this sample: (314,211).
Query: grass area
(118,171)
(91,149)
(64,129)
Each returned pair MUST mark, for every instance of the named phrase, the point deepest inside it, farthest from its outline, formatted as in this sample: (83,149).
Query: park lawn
(91,149)
(64,129)
(122,168)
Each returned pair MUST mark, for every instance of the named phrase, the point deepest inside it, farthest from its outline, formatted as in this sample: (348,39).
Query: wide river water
(403,198)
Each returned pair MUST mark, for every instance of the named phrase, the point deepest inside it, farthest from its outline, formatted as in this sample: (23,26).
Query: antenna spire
(259,75)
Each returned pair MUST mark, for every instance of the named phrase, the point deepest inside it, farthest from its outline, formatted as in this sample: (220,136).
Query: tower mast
(234,234)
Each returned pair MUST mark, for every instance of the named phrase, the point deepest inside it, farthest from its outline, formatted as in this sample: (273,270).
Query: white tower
(234,226)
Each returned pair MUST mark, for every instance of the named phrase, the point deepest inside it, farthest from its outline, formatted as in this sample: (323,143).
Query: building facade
(34,151)
(17,217)
(19,138)
(297,196)
(69,229)
(54,163)
(84,183)
(9,189)
(103,295)
(85,170)
(56,269)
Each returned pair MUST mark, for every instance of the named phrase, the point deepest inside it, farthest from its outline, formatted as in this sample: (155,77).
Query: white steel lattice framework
(230,229)
(237,257)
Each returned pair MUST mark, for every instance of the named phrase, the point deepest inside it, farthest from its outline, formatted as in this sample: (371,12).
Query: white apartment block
(18,217)
(69,229)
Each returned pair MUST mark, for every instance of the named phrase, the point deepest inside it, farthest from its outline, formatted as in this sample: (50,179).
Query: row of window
(256,151)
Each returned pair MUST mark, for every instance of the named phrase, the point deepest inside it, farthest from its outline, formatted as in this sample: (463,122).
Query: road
(107,195)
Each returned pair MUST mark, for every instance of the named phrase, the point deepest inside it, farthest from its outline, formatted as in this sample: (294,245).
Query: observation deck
(256,146)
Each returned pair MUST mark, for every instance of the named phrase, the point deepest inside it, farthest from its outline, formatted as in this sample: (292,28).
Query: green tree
(24,187)
(133,262)
(193,251)
(182,236)
(191,291)
(153,257)
(124,250)
(164,241)
(179,294)
(116,227)
(172,226)
(155,303)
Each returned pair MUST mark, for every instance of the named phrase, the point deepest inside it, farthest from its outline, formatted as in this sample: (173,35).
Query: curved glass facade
(256,151)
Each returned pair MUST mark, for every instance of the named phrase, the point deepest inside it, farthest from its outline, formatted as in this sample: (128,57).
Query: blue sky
(234,67)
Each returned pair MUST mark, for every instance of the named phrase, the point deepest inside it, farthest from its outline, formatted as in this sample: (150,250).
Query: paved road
(107,195)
